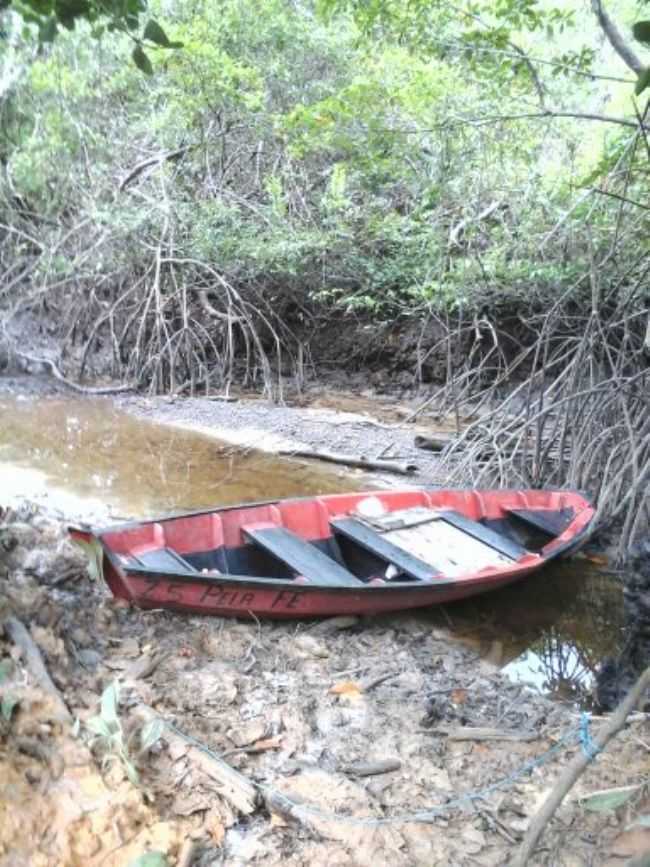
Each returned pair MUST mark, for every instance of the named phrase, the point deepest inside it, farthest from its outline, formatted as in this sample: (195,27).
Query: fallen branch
(469,733)
(34,661)
(401,467)
(82,389)
(372,769)
(233,786)
(575,768)
(432,443)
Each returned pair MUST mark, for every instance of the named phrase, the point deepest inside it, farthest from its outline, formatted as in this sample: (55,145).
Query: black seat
(164,560)
(374,542)
(549,521)
(300,556)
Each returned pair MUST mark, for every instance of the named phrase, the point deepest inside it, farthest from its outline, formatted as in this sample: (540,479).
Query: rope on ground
(279,800)
(577,765)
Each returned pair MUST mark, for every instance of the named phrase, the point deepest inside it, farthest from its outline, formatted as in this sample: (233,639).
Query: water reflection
(550,632)
(82,452)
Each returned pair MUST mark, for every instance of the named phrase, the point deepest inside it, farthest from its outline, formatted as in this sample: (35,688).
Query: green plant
(107,735)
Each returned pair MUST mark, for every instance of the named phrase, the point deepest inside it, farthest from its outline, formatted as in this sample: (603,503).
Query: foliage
(46,17)
(285,166)
(107,734)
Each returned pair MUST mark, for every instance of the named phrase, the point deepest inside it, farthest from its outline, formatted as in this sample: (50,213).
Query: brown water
(84,456)
(81,451)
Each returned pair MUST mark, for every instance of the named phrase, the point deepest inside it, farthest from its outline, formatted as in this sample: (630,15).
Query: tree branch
(615,38)
(603,118)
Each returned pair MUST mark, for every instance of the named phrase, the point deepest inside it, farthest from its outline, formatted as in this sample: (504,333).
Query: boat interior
(351,540)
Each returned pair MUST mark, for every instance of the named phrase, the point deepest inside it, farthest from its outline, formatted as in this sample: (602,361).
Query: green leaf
(641,31)
(643,81)
(6,669)
(99,726)
(109,701)
(48,30)
(154,33)
(151,733)
(142,61)
(131,771)
(150,859)
(93,550)
(7,706)
(608,799)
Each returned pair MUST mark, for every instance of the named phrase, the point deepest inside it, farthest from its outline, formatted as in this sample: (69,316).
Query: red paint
(309,518)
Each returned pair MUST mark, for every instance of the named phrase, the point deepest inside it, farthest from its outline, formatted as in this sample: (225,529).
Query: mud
(355,721)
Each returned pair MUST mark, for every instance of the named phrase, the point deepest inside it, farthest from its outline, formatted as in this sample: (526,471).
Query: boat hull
(255,599)
(284,559)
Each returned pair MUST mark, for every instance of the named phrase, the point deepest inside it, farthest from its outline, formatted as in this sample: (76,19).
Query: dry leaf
(277,821)
(215,827)
(266,744)
(347,688)
(459,696)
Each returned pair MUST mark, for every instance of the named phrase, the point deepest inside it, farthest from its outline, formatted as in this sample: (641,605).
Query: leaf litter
(330,731)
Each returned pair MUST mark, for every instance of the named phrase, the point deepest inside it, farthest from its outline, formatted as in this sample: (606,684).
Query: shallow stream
(85,458)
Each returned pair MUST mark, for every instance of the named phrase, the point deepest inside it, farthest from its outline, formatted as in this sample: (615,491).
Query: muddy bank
(371,428)
(358,738)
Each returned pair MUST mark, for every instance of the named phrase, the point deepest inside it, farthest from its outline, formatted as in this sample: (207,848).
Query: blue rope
(589,748)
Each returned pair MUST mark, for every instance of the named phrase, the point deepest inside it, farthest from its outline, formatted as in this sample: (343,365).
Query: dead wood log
(471,733)
(81,389)
(575,768)
(402,467)
(436,443)
(34,661)
(233,787)
(372,769)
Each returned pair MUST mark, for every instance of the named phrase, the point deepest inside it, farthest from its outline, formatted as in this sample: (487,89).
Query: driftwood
(81,389)
(575,768)
(402,467)
(470,733)
(232,786)
(432,443)
(34,661)
(372,769)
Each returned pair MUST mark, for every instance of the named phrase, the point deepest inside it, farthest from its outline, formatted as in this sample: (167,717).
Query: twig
(469,733)
(575,768)
(403,468)
(372,769)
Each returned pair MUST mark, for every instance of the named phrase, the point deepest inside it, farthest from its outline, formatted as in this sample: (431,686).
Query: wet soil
(365,727)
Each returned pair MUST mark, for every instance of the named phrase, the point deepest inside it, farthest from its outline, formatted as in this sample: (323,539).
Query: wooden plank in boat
(448,549)
(378,544)
(549,521)
(300,556)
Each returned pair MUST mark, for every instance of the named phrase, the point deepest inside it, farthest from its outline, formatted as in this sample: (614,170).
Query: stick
(575,768)
(432,443)
(82,389)
(372,769)
(401,467)
(34,661)
(469,733)
(233,786)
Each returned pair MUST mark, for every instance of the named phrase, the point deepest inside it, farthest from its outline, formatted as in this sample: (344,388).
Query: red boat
(338,554)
